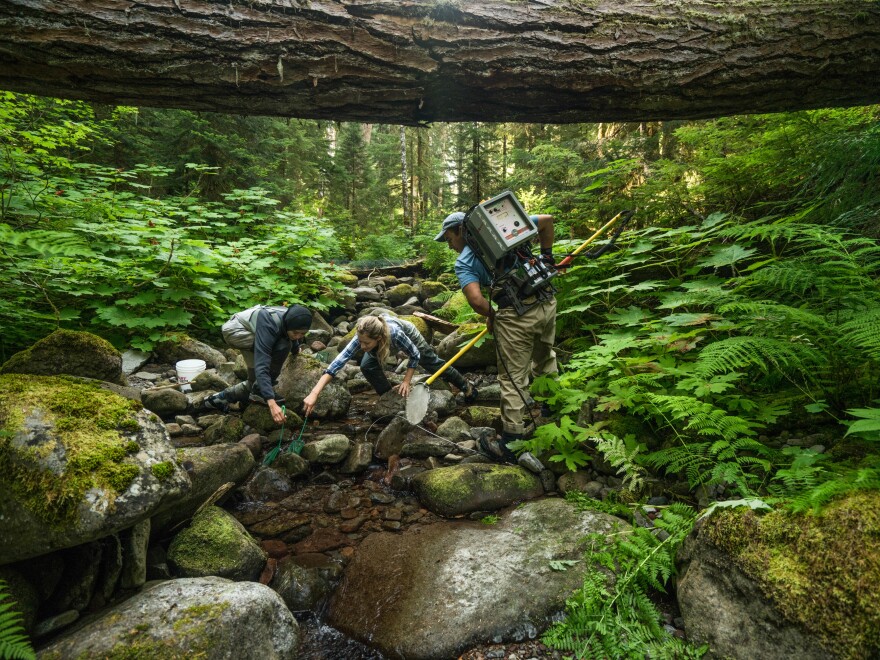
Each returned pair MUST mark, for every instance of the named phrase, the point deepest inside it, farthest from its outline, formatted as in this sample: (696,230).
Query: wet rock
(327,450)
(254,444)
(212,617)
(296,380)
(301,588)
(208,380)
(419,444)
(268,483)
(292,465)
(394,582)
(358,459)
(165,402)
(322,540)
(454,429)
(392,437)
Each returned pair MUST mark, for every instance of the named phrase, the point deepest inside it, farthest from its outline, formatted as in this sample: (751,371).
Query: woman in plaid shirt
(375,336)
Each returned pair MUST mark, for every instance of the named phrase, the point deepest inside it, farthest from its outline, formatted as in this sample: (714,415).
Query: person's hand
(309,404)
(403,389)
(277,413)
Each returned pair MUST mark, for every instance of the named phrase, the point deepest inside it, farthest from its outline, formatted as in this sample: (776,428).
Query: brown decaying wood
(407,62)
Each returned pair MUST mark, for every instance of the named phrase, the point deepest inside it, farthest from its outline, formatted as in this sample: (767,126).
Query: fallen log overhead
(408,62)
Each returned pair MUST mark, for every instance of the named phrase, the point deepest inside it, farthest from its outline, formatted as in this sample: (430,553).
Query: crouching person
(376,335)
(265,336)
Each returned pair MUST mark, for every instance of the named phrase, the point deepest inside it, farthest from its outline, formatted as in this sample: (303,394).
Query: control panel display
(498,225)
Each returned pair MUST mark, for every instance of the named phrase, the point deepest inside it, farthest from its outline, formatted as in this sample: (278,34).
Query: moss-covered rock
(430,288)
(453,491)
(228,428)
(821,571)
(69,352)
(399,294)
(76,463)
(482,354)
(346,278)
(455,308)
(216,544)
(183,620)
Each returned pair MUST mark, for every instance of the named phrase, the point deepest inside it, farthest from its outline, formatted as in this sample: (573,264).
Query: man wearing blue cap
(524,344)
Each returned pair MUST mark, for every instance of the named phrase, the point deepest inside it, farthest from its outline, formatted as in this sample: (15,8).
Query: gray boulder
(460,584)
(299,376)
(482,355)
(327,450)
(209,468)
(165,402)
(210,618)
(183,347)
(67,478)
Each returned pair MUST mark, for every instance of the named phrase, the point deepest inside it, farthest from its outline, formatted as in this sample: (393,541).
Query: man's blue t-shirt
(469,269)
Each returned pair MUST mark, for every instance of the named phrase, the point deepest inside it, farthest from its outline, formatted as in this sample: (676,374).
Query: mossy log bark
(409,62)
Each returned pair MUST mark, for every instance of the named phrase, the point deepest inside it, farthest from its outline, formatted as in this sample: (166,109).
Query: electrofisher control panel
(499,225)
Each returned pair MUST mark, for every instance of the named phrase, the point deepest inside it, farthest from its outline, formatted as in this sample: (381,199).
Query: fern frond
(615,452)
(765,353)
(14,643)
(770,313)
(862,331)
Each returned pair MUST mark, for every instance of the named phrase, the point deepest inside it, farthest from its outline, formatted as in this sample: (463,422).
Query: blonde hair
(375,328)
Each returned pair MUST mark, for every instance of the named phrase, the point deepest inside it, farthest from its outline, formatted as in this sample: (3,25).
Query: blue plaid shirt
(398,339)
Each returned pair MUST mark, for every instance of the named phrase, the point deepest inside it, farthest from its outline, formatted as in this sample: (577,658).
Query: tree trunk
(404,180)
(411,62)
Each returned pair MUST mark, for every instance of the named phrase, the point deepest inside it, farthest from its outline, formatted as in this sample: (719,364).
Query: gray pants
(428,360)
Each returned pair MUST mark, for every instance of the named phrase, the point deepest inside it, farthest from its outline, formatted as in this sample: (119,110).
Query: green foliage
(14,643)
(614,617)
(86,246)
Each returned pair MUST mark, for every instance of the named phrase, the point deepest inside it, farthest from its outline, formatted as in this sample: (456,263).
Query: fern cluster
(612,614)
(14,643)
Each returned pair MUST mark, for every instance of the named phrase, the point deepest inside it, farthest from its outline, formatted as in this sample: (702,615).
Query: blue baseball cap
(452,220)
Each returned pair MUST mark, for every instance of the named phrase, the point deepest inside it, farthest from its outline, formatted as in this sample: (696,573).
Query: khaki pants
(525,347)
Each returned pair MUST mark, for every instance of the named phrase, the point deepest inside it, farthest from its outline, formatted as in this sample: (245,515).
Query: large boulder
(77,463)
(209,469)
(209,618)
(299,376)
(784,585)
(215,543)
(72,353)
(460,489)
(457,584)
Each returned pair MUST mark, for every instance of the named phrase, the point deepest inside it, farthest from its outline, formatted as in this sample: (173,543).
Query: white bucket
(188,369)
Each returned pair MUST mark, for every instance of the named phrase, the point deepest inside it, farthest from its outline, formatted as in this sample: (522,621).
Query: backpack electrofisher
(499,231)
